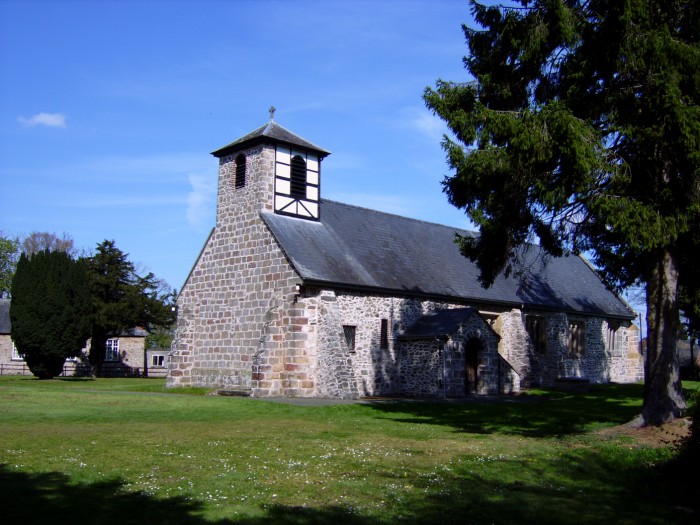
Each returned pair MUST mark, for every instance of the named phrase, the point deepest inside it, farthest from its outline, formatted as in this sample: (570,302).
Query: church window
(537,330)
(298,178)
(615,337)
(384,334)
(349,332)
(577,337)
(240,171)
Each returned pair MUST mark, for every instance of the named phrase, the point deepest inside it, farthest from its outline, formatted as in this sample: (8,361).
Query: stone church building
(295,295)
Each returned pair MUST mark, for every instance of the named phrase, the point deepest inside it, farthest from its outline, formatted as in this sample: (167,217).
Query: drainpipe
(498,372)
(444,369)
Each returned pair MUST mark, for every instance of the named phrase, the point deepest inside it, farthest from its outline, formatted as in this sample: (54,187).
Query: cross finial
(272,112)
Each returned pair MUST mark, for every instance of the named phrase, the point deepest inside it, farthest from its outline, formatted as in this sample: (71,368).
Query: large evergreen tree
(581,130)
(122,300)
(49,310)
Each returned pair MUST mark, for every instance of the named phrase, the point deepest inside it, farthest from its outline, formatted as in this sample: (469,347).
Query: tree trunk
(98,351)
(663,396)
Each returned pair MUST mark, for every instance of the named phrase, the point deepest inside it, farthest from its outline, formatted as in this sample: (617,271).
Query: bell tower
(272,169)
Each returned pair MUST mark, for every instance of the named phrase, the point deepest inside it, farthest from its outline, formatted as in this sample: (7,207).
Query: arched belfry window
(240,171)
(298,178)
(297,182)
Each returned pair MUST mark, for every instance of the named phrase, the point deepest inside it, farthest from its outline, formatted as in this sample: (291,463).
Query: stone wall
(423,367)
(239,300)
(437,367)
(131,364)
(515,349)
(376,370)
(598,362)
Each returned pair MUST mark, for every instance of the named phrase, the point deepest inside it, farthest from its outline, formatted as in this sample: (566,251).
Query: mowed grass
(123,451)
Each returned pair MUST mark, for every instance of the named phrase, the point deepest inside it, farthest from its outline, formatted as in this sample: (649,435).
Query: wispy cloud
(201,201)
(425,123)
(52,120)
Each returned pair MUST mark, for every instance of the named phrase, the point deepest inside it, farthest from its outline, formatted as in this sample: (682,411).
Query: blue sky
(109,110)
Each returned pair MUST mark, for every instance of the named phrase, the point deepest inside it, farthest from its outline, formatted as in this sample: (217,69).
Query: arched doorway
(472,348)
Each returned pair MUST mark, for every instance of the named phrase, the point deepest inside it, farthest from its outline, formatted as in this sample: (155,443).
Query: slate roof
(5,316)
(440,323)
(361,249)
(270,132)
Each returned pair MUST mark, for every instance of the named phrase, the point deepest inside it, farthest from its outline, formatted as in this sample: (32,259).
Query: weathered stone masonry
(235,305)
(248,321)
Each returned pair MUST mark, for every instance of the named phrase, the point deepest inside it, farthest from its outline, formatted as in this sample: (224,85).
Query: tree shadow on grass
(584,487)
(526,415)
(51,497)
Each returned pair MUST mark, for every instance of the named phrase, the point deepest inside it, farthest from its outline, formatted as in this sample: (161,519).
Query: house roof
(440,323)
(271,132)
(357,248)
(5,316)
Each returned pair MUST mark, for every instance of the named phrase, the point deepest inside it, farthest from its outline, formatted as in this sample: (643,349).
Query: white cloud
(427,124)
(52,120)
(201,201)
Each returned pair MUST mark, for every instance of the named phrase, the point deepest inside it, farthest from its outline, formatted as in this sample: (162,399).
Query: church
(299,296)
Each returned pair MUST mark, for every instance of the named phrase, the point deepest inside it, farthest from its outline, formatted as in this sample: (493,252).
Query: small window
(614,337)
(298,178)
(157,360)
(384,334)
(112,350)
(619,339)
(349,332)
(577,337)
(16,356)
(240,171)
(537,330)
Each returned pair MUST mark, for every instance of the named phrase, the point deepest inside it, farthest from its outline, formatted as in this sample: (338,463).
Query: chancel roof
(361,249)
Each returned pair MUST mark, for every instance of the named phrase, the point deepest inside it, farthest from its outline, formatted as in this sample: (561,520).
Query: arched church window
(240,171)
(298,178)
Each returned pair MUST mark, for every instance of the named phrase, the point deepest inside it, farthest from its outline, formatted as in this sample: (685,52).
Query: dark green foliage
(50,310)
(581,131)
(123,300)
(160,338)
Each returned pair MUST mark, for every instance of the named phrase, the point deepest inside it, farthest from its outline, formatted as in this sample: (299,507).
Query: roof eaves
(271,132)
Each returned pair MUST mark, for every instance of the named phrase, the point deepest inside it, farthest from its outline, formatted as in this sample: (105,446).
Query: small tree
(161,337)
(36,242)
(49,311)
(9,253)
(123,300)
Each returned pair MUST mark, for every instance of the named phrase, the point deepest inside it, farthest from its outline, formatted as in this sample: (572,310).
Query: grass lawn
(122,451)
